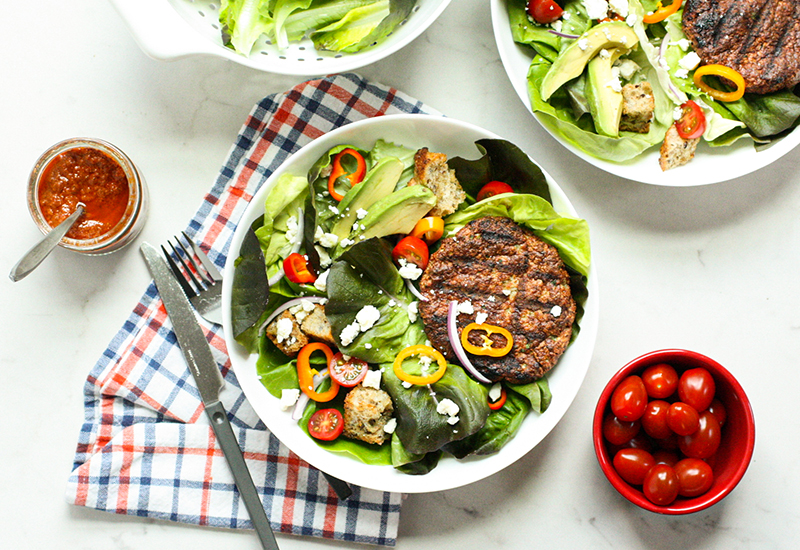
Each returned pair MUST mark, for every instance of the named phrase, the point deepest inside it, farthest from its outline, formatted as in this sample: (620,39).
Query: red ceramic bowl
(736,446)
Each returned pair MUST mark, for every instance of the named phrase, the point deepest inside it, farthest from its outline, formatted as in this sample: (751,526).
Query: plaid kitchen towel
(146,447)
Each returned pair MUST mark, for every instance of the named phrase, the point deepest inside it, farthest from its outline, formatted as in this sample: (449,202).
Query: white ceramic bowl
(710,165)
(455,139)
(173,29)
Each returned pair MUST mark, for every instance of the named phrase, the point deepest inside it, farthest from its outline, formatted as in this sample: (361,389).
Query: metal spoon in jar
(38,253)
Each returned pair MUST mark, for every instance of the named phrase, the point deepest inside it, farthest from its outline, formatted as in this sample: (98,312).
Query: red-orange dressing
(88,176)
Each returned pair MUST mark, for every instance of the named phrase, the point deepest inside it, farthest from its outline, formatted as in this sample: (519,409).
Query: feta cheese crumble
(372,379)
(409,271)
(495,392)
(481,317)
(361,213)
(448,407)
(366,317)
(689,61)
(291,229)
(619,6)
(284,329)
(390,426)
(465,308)
(288,398)
(556,311)
(413,311)
(321,283)
(596,9)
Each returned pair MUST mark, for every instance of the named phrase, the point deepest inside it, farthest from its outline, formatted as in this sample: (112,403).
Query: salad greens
(363,274)
(334,25)
(657,58)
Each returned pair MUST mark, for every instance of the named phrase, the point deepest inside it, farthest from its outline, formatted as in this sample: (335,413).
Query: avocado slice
(571,62)
(378,183)
(605,103)
(396,213)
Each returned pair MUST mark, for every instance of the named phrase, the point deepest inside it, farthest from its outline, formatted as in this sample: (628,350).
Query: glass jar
(78,182)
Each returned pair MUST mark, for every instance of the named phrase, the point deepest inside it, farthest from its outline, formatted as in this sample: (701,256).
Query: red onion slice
(291,303)
(455,341)
(562,34)
(413,290)
(303,400)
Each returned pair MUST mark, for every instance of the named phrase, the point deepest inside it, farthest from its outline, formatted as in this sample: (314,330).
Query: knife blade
(204,369)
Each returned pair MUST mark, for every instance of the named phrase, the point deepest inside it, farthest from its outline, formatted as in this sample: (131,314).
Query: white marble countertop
(711,268)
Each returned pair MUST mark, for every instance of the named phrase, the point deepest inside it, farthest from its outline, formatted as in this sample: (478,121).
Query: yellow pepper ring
(412,378)
(488,345)
(723,72)
(661,12)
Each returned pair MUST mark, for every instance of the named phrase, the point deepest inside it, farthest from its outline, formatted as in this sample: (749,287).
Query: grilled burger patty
(514,277)
(758,38)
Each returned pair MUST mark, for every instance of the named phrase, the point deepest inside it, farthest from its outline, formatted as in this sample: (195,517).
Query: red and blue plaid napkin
(146,448)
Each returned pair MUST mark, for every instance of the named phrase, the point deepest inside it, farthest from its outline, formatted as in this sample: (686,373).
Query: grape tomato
(660,485)
(718,410)
(683,419)
(654,419)
(632,465)
(660,380)
(695,477)
(704,442)
(619,432)
(696,387)
(629,399)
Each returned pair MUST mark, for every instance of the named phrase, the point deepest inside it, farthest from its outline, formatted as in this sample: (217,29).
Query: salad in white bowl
(618,80)
(331,346)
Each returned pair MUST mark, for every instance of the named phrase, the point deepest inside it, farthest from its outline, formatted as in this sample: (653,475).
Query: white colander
(172,29)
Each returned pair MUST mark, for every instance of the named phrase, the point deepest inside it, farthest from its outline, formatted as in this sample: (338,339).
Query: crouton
(366,412)
(638,105)
(676,151)
(431,170)
(316,326)
(289,341)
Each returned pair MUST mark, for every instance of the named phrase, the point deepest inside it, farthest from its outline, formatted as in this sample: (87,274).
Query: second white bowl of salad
(620,85)
(487,405)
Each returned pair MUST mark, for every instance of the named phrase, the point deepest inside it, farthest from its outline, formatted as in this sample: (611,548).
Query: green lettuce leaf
(243,22)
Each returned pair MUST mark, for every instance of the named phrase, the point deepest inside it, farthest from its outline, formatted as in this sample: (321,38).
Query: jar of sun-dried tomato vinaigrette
(103,179)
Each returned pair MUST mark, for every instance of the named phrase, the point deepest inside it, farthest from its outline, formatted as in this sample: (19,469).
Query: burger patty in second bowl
(513,277)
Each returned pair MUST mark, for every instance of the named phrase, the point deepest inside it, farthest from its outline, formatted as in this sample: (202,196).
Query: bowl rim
(686,506)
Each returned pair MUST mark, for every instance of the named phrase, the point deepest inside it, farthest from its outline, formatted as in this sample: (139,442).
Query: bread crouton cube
(676,151)
(638,105)
(366,412)
(316,326)
(431,170)
(285,333)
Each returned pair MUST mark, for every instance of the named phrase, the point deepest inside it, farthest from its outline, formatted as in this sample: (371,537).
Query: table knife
(196,351)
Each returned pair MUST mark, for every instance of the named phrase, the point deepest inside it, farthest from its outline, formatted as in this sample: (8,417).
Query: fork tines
(192,277)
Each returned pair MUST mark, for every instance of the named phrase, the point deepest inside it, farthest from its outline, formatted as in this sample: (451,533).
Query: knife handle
(241,475)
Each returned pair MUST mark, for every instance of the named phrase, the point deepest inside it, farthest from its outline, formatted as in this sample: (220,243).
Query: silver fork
(197,275)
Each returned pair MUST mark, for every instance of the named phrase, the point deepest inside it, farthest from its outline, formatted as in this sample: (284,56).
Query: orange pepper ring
(661,12)
(412,378)
(487,348)
(723,72)
(430,229)
(305,374)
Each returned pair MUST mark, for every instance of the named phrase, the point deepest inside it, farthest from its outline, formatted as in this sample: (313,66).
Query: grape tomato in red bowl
(686,473)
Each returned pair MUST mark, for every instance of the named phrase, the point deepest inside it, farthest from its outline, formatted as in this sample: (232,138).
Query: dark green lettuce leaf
(366,275)
(250,289)
(501,426)
(419,426)
(501,160)
(537,393)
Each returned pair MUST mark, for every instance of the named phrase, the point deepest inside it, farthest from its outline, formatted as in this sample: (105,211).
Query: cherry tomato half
(619,432)
(705,441)
(632,465)
(493,188)
(697,387)
(326,424)
(683,419)
(692,123)
(654,419)
(660,485)
(297,270)
(629,399)
(347,372)
(413,250)
(430,229)
(660,380)
(694,477)
(544,11)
